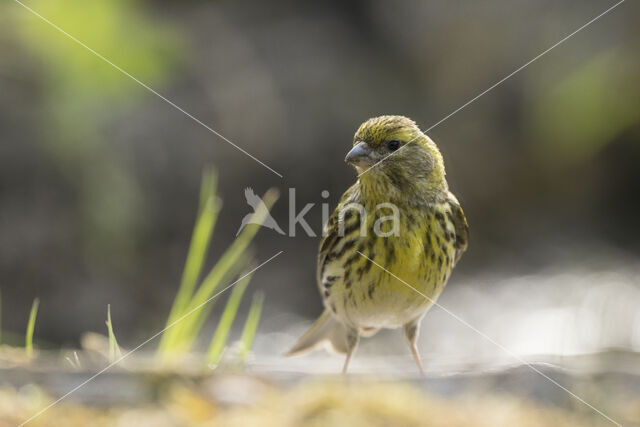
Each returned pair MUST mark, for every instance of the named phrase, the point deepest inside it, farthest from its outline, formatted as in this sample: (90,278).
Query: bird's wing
(252,198)
(461,226)
(331,235)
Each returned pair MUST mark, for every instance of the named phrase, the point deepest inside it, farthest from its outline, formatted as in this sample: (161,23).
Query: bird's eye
(393,145)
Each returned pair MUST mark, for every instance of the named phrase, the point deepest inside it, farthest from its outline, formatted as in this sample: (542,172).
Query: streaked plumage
(360,297)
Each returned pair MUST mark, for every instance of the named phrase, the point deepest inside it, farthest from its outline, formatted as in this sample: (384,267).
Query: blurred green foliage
(587,109)
(82,94)
(119,30)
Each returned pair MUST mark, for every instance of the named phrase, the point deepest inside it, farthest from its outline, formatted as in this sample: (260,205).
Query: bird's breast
(384,281)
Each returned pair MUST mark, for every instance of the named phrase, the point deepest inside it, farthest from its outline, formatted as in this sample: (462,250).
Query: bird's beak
(360,155)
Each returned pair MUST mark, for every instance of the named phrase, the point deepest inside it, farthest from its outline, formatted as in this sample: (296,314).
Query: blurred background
(99,178)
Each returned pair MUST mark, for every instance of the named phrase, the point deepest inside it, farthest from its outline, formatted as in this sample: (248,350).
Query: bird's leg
(352,343)
(411,332)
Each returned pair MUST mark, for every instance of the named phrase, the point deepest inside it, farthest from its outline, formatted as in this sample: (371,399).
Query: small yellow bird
(399,216)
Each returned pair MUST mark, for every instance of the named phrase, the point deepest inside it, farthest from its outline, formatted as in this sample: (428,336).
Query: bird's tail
(325,330)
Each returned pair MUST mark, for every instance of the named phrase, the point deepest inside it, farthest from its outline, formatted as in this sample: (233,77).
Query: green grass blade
(226,321)
(208,185)
(191,326)
(200,240)
(181,337)
(30,327)
(251,324)
(114,348)
(233,253)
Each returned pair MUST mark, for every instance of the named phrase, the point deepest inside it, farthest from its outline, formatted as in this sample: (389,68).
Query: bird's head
(394,151)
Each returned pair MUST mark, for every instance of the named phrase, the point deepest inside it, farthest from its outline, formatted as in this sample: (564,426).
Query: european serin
(400,215)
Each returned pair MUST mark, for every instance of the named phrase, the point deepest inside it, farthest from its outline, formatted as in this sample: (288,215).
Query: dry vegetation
(243,401)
